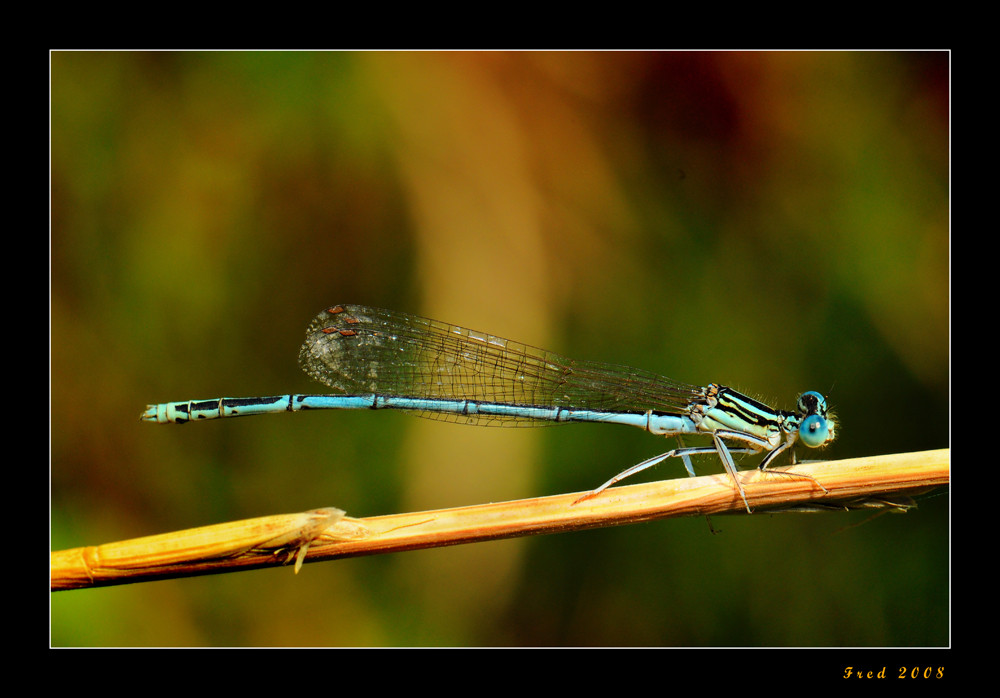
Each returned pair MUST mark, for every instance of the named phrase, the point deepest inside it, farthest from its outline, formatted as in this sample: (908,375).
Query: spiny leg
(682,453)
(727,461)
(771,456)
(690,470)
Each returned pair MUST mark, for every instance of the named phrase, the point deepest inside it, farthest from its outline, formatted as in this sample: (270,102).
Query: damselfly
(381,359)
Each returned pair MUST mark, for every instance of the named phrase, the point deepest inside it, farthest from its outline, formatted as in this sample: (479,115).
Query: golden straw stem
(326,534)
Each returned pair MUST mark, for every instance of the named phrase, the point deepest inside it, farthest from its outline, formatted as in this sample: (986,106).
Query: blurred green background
(773,221)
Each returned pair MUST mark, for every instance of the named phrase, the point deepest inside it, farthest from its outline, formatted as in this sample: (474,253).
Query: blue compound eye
(813,431)
(812,402)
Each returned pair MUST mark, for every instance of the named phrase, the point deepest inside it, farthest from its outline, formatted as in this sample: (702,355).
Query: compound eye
(812,402)
(813,431)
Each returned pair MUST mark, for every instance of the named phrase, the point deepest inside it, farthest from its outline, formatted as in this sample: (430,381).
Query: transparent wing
(358,350)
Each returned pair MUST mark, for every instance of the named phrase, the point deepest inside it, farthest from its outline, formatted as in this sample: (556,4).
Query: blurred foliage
(774,221)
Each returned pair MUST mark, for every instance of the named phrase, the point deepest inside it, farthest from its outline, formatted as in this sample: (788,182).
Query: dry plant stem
(274,539)
(328,534)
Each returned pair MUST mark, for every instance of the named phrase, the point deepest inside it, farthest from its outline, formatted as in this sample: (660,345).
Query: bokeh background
(773,221)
